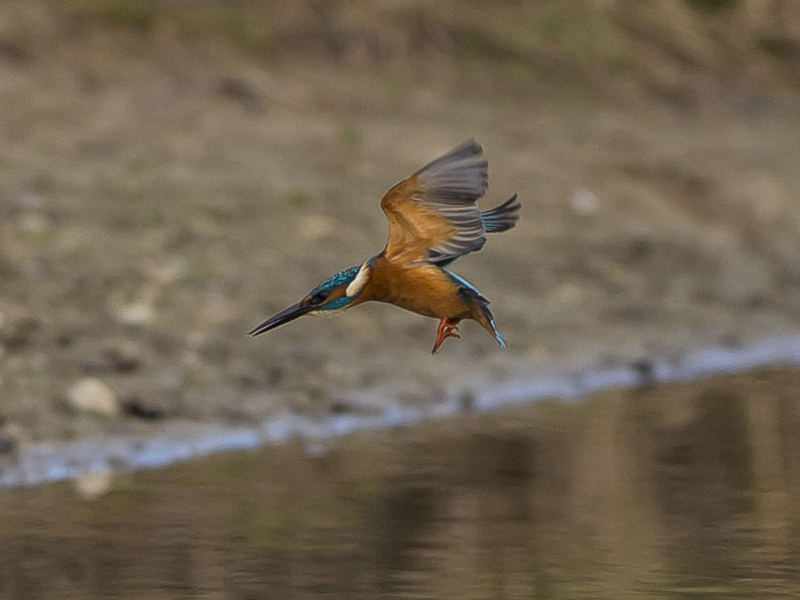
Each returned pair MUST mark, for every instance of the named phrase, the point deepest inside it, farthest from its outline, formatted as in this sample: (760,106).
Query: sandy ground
(159,198)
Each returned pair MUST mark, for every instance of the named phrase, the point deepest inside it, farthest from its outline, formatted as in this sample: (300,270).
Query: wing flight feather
(433,215)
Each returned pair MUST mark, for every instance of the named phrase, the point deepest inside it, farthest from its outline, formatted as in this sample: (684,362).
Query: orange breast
(421,288)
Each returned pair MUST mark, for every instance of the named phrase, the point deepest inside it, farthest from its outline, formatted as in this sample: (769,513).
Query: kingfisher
(433,219)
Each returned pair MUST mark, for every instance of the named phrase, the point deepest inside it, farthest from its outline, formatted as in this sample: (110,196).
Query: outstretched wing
(433,215)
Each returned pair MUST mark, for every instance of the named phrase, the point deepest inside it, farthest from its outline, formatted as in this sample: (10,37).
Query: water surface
(682,491)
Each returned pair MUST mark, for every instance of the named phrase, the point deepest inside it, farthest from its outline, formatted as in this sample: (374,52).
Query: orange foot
(447,329)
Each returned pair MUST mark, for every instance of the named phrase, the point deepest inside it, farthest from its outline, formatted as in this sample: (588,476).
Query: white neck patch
(358,283)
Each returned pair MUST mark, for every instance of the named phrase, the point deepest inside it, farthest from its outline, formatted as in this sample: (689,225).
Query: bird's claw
(446,330)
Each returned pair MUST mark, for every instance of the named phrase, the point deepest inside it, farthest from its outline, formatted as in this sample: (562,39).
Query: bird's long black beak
(290,314)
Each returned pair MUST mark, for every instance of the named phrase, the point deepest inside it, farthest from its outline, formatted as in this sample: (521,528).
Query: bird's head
(335,293)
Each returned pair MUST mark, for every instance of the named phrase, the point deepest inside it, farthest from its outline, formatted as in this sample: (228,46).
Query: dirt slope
(173,173)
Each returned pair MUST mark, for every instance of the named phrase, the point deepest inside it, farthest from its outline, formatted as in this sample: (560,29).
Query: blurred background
(176,171)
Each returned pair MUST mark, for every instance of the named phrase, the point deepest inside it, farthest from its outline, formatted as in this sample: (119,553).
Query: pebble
(138,313)
(584,203)
(136,407)
(94,485)
(123,359)
(7,445)
(16,335)
(93,396)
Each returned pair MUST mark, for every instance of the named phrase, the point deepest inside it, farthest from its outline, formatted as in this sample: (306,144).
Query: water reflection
(684,491)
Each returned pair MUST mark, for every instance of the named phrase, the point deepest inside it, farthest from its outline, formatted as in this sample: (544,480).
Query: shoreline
(49,462)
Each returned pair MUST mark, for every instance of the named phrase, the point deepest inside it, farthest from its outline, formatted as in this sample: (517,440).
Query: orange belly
(421,288)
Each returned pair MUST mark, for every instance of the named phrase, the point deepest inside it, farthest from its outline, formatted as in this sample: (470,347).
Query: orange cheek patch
(336,294)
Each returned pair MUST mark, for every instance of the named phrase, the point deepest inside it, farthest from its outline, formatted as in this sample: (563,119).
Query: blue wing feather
(471,293)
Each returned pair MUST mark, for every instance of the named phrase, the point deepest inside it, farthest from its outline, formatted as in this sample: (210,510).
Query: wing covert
(433,215)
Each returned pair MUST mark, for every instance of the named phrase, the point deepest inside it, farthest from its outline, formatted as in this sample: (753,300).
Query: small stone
(136,407)
(137,313)
(584,203)
(15,432)
(117,359)
(140,311)
(171,270)
(339,407)
(235,89)
(94,485)
(645,371)
(94,396)
(16,335)
(8,445)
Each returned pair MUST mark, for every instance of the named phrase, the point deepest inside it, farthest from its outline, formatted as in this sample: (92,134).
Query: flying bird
(433,219)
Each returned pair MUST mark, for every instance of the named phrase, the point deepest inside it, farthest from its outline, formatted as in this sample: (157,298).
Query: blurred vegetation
(666,42)
(139,14)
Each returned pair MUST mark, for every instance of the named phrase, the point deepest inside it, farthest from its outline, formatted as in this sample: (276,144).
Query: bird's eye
(320,296)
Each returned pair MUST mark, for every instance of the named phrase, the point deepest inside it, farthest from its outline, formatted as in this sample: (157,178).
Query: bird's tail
(503,217)
(486,319)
